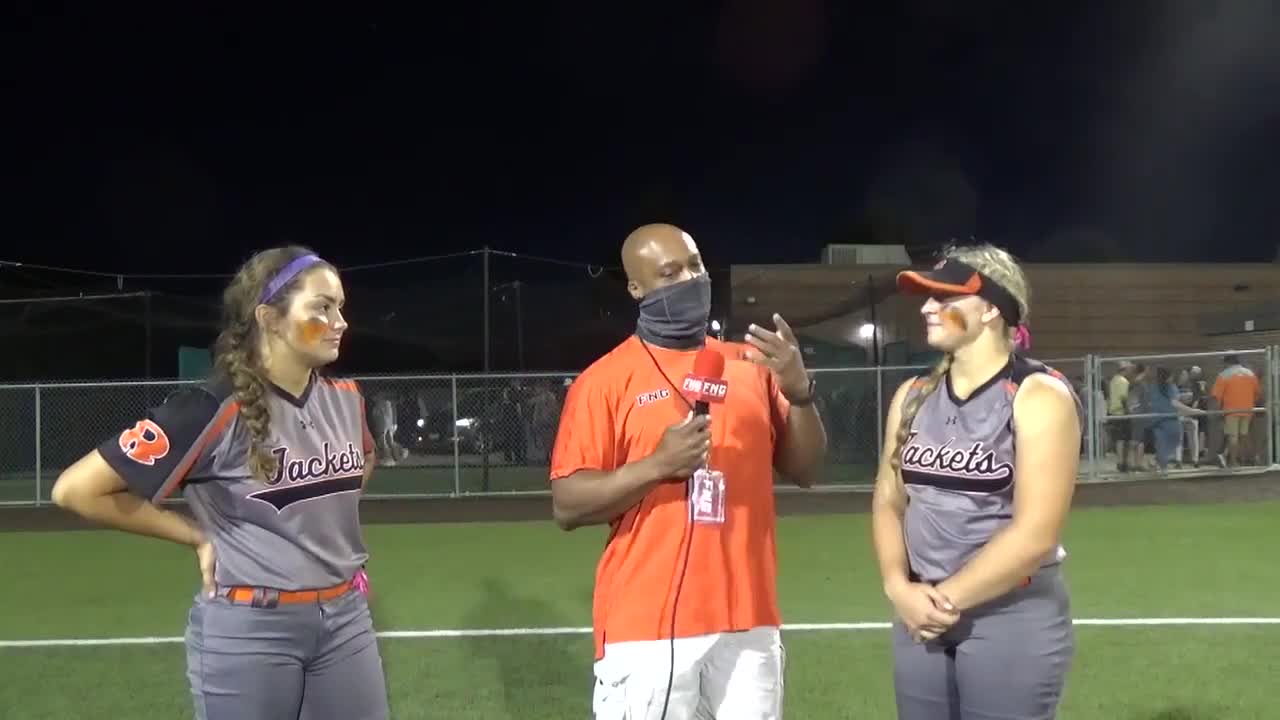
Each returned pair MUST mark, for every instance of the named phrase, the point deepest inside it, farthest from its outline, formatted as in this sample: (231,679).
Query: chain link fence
(464,434)
(1223,415)
(450,435)
(19,444)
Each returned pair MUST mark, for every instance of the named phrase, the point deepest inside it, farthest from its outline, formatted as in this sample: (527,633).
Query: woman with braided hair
(271,457)
(973,490)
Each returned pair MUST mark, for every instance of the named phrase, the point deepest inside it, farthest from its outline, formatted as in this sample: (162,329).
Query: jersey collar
(298,401)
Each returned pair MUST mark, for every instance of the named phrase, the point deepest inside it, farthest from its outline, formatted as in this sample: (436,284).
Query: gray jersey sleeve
(171,442)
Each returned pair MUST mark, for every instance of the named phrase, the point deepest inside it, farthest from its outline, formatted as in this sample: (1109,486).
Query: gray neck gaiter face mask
(676,316)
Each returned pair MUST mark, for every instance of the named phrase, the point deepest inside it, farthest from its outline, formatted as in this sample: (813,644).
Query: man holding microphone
(685,602)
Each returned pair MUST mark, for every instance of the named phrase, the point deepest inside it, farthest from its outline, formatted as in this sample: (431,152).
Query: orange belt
(269,598)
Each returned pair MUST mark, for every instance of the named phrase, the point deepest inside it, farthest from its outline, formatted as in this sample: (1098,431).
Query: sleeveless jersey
(958,469)
(300,529)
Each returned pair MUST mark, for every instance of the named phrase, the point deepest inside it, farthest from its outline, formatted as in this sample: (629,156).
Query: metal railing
(1141,424)
(456,435)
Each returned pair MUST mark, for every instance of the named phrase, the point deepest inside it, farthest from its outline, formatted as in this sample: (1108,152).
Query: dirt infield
(1200,490)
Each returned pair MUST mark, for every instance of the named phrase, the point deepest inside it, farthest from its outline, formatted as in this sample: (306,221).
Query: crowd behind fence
(455,435)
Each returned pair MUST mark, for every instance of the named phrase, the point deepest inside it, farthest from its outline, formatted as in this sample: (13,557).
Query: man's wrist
(801,397)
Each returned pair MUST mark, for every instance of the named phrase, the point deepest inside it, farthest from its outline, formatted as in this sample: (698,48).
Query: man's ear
(634,289)
(991,313)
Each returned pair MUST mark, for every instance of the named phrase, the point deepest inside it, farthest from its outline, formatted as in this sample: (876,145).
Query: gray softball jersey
(298,531)
(958,468)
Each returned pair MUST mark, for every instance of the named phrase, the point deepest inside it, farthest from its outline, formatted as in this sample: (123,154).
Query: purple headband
(287,273)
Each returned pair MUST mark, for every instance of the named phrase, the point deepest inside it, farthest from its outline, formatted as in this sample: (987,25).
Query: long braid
(912,406)
(234,346)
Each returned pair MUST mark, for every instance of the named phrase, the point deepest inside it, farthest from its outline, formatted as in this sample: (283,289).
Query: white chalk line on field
(500,632)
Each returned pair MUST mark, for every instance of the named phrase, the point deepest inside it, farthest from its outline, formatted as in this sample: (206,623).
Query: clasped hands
(925,611)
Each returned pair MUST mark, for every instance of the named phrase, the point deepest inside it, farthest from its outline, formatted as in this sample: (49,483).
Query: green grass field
(1161,562)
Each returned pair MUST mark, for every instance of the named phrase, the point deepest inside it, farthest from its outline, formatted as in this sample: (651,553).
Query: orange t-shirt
(1237,388)
(614,414)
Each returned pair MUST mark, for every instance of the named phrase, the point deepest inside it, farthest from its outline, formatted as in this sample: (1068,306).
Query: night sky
(181,141)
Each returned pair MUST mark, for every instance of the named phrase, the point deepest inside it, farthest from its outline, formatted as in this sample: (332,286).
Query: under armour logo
(306,424)
(951,420)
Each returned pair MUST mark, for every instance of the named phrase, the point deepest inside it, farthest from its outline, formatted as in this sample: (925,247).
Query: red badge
(144,443)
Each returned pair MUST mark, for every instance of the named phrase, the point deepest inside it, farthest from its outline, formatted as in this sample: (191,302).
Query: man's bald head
(659,254)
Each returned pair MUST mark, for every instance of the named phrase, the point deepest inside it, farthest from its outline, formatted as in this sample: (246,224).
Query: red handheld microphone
(705,385)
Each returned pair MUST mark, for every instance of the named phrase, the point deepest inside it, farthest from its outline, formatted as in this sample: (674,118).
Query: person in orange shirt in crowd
(1237,389)
(685,606)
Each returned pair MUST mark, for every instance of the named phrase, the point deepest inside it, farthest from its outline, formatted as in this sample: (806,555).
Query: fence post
(1100,416)
(879,411)
(39,486)
(1090,413)
(457,463)
(1273,403)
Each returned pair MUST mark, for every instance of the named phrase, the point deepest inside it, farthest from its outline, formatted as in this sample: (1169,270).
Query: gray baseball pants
(1003,660)
(305,661)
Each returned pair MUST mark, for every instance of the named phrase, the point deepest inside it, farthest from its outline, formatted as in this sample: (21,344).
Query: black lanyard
(658,365)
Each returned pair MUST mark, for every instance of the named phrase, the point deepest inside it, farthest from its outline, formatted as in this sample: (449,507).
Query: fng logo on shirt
(652,396)
(311,477)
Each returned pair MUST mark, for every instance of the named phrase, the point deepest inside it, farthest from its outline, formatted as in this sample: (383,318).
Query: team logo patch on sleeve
(144,443)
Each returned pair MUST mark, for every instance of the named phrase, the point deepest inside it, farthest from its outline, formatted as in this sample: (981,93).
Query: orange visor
(952,278)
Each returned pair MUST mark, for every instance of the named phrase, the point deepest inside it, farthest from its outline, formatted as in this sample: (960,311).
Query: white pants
(725,676)
(1190,435)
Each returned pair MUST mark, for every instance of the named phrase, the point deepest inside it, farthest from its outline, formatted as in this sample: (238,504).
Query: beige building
(1077,308)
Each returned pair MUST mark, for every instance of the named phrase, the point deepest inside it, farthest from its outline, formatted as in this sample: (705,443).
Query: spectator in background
(1200,401)
(1137,403)
(382,422)
(544,415)
(1081,389)
(1188,437)
(1099,429)
(1162,396)
(423,400)
(1237,391)
(510,427)
(1117,402)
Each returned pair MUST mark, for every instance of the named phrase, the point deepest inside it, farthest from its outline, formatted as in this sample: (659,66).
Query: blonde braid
(912,406)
